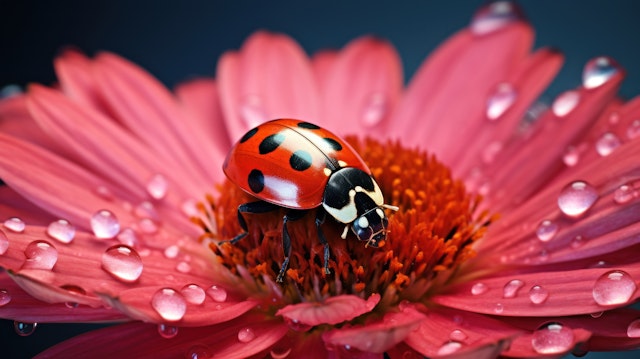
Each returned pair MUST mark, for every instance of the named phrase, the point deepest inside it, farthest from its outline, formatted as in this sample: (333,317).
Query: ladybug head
(371,226)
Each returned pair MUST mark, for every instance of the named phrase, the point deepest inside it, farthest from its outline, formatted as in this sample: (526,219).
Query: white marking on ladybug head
(346,214)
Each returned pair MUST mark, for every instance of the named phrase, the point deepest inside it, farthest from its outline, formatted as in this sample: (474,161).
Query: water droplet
(147,226)
(169,304)
(104,224)
(104,193)
(128,237)
(458,335)
(193,293)
(598,71)
(614,288)
(74,290)
(546,230)
(40,255)
(183,267)
(624,194)
(577,241)
(565,103)
(633,330)
(280,353)
(252,111)
(511,289)
(61,230)
(122,262)
(246,335)
(607,143)
(449,348)
(190,208)
(217,293)
(14,224)
(157,186)
(499,308)
(146,209)
(633,131)
(576,198)
(500,101)
(491,151)
(5,297)
(571,156)
(4,243)
(552,338)
(494,16)
(171,251)
(167,331)
(538,294)
(375,109)
(24,329)
(479,288)
(596,314)
(198,351)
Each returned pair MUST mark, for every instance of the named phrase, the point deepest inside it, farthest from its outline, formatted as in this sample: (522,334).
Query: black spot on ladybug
(256,181)
(248,135)
(333,143)
(300,160)
(270,143)
(308,126)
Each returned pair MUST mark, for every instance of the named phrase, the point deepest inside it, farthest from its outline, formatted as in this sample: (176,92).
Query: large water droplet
(14,224)
(104,224)
(511,289)
(24,329)
(552,338)
(598,71)
(169,304)
(122,262)
(607,143)
(217,293)
(252,111)
(193,293)
(40,255)
(167,331)
(565,103)
(61,230)
(5,297)
(633,131)
(500,101)
(494,16)
(576,198)
(546,230)
(4,243)
(449,348)
(633,330)
(538,294)
(246,335)
(614,288)
(157,186)
(375,109)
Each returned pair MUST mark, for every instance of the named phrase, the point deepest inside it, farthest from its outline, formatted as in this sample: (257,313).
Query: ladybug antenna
(388,206)
(344,232)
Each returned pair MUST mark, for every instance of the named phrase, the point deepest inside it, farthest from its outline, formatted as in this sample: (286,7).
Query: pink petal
(376,337)
(75,73)
(332,311)
(14,205)
(16,121)
(362,87)
(269,78)
(322,64)
(523,346)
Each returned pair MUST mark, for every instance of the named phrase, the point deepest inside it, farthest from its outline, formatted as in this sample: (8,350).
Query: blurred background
(177,41)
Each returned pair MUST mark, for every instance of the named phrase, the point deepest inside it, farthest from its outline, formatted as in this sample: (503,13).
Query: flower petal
(77,81)
(14,205)
(332,311)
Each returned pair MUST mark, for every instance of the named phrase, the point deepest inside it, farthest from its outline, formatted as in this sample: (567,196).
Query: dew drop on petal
(565,103)
(499,308)
(104,224)
(511,289)
(198,351)
(74,290)
(298,326)
(494,16)
(252,111)
(598,71)
(217,293)
(171,251)
(546,230)
(40,255)
(157,186)
(633,131)
(167,331)
(552,338)
(571,156)
(128,237)
(169,304)
(146,209)
(280,353)
(624,194)
(633,330)
(122,262)
(479,288)
(5,297)
(457,335)
(614,288)
(183,267)
(491,151)
(61,230)
(193,293)
(14,224)
(576,198)
(538,294)
(577,241)
(190,208)
(596,314)
(449,348)
(246,335)
(500,101)
(375,109)
(4,243)
(24,329)
(607,143)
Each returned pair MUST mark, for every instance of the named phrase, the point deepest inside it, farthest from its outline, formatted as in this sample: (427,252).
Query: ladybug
(296,165)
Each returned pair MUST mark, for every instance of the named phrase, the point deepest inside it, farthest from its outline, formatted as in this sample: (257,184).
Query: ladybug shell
(288,162)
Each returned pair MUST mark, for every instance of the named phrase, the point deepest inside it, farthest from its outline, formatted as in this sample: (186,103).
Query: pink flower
(116,204)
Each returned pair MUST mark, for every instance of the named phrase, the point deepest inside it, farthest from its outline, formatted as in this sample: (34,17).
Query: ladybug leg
(320,217)
(291,215)
(251,207)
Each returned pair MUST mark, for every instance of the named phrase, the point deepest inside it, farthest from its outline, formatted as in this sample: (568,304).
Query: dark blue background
(181,40)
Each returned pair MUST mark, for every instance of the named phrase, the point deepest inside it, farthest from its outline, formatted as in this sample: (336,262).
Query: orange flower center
(432,232)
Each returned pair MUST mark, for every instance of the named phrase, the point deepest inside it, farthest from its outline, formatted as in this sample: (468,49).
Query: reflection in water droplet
(576,198)
(479,288)
(565,103)
(193,293)
(494,16)
(546,230)
(40,255)
(598,71)
(614,288)
(449,348)
(252,111)
(511,289)
(122,262)
(500,101)
(375,109)
(5,297)
(167,331)
(61,230)
(217,293)
(104,224)
(607,143)
(633,330)
(538,294)
(157,186)
(24,329)
(169,304)
(246,335)
(4,243)
(14,224)
(552,338)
